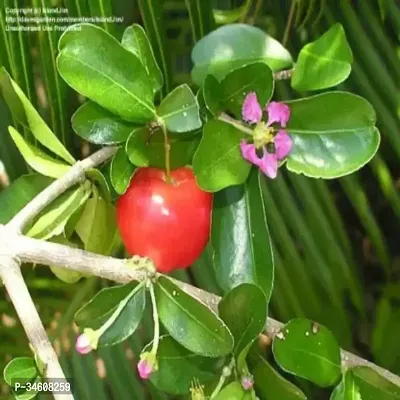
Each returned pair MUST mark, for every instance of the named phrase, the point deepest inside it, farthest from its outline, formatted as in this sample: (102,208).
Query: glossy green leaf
(240,237)
(180,110)
(347,389)
(270,384)
(308,350)
(244,311)
(97,125)
(97,226)
(136,41)
(231,16)
(374,386)
(212,94)
(190,322)
(98,178)
(20,193)
(145,149)
(36,158)
(178,367)
(233,46)
(330,145)
(234,391)
(323,63)
(53,219)
(25,113)
(237,84)
(123,305)
(96,65)
(121,171)
(218,162)
(20,368)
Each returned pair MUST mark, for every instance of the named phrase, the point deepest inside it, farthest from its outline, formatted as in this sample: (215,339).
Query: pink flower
(278,112)
(83,344)
(251,110)
(145,369)
(247,382)
(282,142)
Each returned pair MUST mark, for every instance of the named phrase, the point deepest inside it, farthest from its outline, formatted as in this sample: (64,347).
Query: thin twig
(289,23)
(20,297)
(73,176)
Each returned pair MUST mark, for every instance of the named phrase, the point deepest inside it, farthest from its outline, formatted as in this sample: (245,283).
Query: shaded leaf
(145,149)
(97,125)
(244,310)
(233,46)
(323,63)
(218,162)
(240,237)
(96,65)
(347,389)
(190,322)
(122,305)
(37,159)
(20,193)
(308,350)
(180,110)
(234,391)
(334,144)
(136,41)
(178,367)
(121,171)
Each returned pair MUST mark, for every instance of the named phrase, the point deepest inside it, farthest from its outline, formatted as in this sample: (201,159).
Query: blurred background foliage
(336,242)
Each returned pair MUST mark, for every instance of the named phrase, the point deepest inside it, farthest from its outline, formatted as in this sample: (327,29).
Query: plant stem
(226,373)
(237,124)
(167,149)
(289,23)
(156,340)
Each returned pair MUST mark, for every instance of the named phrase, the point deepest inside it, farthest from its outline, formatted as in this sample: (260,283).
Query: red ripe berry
(167,222)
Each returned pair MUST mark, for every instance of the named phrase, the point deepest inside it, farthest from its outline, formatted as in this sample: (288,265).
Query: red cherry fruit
(167,222)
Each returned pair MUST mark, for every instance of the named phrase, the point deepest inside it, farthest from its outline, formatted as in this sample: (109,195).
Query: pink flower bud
(83,344)
(247,382)
(145,369)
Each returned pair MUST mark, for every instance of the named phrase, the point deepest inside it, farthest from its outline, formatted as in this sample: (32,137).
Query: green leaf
(180,110)
(21,368)
(136,41)
(240,237)
(53,219)
(237,84)
(374,386)
(121,171)
(178,367)
(145,149)
(231,16)
(20,193)
(212,94)
(308,350)
(97,125)
(330,145)
(25,113)
(347,389)
(36,158)
(271,385)
(233,46)
(99,179)
(323,63)
(244,311)
(234,391)
(124,305)
(96,65)
(97,226)
(218,162)
(190,322)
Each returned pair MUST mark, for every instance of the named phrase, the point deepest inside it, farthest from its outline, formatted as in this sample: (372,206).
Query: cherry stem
(237,124)
(167,149)
(156,339)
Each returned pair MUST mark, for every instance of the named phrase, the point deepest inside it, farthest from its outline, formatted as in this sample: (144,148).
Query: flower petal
(283,144)
(248,151)
(278,112)
(145,369)
(251,109)
(269,165)
(83,344)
